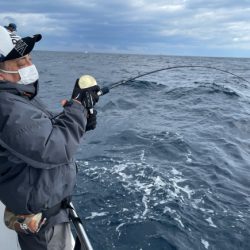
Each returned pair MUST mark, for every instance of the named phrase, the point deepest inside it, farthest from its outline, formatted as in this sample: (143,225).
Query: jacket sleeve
(29,133)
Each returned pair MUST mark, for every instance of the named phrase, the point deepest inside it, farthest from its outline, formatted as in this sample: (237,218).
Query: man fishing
(37,169)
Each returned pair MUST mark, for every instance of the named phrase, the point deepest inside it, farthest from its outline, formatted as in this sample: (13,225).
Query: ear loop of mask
(9,72)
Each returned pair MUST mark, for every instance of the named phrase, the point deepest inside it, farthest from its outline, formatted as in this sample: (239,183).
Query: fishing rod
(106,89)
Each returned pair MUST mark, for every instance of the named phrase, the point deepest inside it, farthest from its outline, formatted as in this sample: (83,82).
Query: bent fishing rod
(106,89)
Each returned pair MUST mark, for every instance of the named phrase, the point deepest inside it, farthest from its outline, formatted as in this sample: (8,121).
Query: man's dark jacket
(37,170)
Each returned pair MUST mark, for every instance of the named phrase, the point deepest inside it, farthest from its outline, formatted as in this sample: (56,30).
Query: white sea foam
(205,210)
(205,243)
(179,220)
(119,167)
(117,229)
(175,172)
(178,188)
(188,159)
(152,188)
(145,202)
(136,216)
(142,156)
(96,214)
(159,183)
(167,209)
(211,224)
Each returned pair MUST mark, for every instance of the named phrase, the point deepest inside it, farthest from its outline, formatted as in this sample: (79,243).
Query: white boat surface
(8,238)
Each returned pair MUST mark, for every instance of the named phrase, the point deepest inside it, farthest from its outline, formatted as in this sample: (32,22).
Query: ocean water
(168,166)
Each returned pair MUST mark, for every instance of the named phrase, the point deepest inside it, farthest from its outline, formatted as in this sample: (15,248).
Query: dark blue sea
(168,166)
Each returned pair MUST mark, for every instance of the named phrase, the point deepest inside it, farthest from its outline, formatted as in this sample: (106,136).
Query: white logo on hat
(15,38)
(21,47)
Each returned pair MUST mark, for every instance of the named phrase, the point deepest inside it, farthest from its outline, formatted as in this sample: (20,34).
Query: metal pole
(81,233)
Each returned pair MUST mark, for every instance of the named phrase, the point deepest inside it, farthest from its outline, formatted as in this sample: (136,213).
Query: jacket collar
(19,89)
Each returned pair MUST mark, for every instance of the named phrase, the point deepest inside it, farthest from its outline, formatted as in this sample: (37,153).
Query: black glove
(87,96)
(91,121)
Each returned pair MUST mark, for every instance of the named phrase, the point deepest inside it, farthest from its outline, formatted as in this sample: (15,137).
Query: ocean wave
(201,89)
(147,85)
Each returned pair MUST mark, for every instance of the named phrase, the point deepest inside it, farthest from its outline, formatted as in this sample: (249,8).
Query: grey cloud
(127,25)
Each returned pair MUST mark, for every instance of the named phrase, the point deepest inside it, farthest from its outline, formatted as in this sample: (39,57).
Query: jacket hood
(19,89)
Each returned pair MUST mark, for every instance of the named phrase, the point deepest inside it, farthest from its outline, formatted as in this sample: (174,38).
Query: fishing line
(106,89)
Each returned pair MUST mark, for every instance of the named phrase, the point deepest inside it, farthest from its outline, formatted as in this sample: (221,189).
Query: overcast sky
(168,27)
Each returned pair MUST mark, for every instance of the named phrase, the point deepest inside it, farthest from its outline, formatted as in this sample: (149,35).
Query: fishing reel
(87,81)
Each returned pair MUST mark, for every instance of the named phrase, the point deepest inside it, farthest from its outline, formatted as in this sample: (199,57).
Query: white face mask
(27,74)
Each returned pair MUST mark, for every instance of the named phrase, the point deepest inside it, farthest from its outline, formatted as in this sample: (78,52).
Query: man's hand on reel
(86,92)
